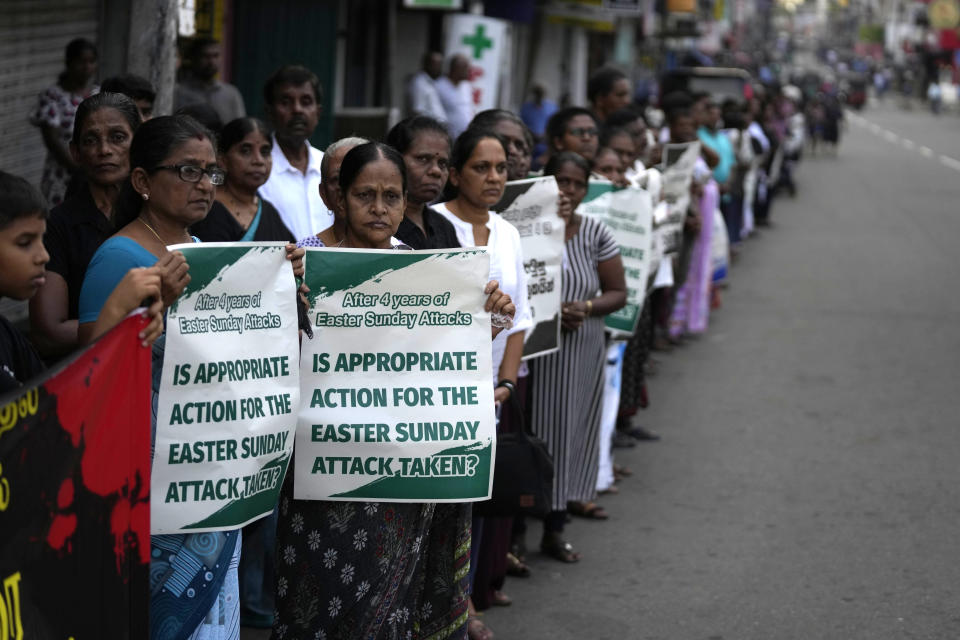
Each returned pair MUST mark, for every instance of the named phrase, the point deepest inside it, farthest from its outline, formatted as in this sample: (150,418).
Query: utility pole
(152,49)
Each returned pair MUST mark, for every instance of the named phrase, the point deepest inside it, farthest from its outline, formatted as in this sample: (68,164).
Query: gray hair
(350,141)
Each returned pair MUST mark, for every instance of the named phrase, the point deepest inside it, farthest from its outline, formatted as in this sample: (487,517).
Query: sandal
(554,546)
(621,471)
(590,510)
(516,567)
(518,547)
(477,630)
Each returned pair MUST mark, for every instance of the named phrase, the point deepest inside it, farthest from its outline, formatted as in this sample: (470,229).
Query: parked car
(720,82)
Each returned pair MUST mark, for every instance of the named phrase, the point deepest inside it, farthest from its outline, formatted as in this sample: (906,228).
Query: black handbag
(522,475)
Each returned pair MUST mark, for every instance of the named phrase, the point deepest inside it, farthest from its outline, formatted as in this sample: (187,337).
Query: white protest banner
(531,206)
(628,213)
(660,214)
(230,389)
(482,40)
(397,381)
(679,161)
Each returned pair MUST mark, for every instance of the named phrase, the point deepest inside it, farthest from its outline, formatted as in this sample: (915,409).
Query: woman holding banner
(374,570)
(568,385)
(174,172)
(494,560)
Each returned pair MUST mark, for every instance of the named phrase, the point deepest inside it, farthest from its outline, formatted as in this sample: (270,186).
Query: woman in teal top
(239,213)
(174,174)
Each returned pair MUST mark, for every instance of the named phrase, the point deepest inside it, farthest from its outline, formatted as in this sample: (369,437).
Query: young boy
(23,258)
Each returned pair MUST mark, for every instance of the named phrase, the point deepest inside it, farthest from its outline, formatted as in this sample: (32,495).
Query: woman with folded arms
(103,128)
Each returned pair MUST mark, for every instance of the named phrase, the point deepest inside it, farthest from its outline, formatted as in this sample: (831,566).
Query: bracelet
(589,304)
(509,385)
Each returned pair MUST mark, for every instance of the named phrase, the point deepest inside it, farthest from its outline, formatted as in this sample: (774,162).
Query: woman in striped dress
(568,385)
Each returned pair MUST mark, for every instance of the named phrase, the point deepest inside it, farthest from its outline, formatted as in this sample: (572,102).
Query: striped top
(593,244)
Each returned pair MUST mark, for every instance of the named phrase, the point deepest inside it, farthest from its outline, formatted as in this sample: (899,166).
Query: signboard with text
(531,207)
(230,391)
(397,401)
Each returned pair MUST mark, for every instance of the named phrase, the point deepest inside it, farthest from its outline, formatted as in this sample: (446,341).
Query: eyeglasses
(193,173)
(583,132)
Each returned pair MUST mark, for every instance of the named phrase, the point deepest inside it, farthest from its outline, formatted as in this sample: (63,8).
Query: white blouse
(506,267)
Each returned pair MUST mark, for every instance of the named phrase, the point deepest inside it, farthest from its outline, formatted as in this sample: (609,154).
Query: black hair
(122,104)
(678,112)
(488,120)
(732,112)
(292,74)
(238,129)
(362,155)
(557,161)
(697,96)
(467,143)
(602,149)
(18,199)
(557,124)
(202,113)
(601,82)
(675,100)
(463,148)
(131,85)
(607,133)
(623,117)
(77,47)
(405,132)
(197,45)
(154,141)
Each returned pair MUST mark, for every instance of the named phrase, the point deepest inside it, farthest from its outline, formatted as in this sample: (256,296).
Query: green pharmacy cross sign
(479,41)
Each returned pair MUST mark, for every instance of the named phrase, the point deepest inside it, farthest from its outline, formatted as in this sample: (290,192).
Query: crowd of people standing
(125,183)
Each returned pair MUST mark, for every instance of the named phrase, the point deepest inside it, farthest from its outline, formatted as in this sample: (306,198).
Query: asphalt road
(807,483)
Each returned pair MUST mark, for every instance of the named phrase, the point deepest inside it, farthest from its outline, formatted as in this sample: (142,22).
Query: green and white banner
(628,213)
(679,161)
(230,389)
(531,206)
(397,381)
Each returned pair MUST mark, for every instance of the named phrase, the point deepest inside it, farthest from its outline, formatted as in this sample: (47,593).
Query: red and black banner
(75,497)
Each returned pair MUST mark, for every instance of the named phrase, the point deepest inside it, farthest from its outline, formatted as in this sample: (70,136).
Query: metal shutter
(33,36)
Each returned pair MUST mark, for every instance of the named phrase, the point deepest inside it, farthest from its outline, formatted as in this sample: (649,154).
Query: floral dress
(363,570)
(371,570)
(57,107)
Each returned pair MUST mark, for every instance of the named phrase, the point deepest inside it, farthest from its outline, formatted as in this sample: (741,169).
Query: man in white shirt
(422,96)
(455,94)
(293,98)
